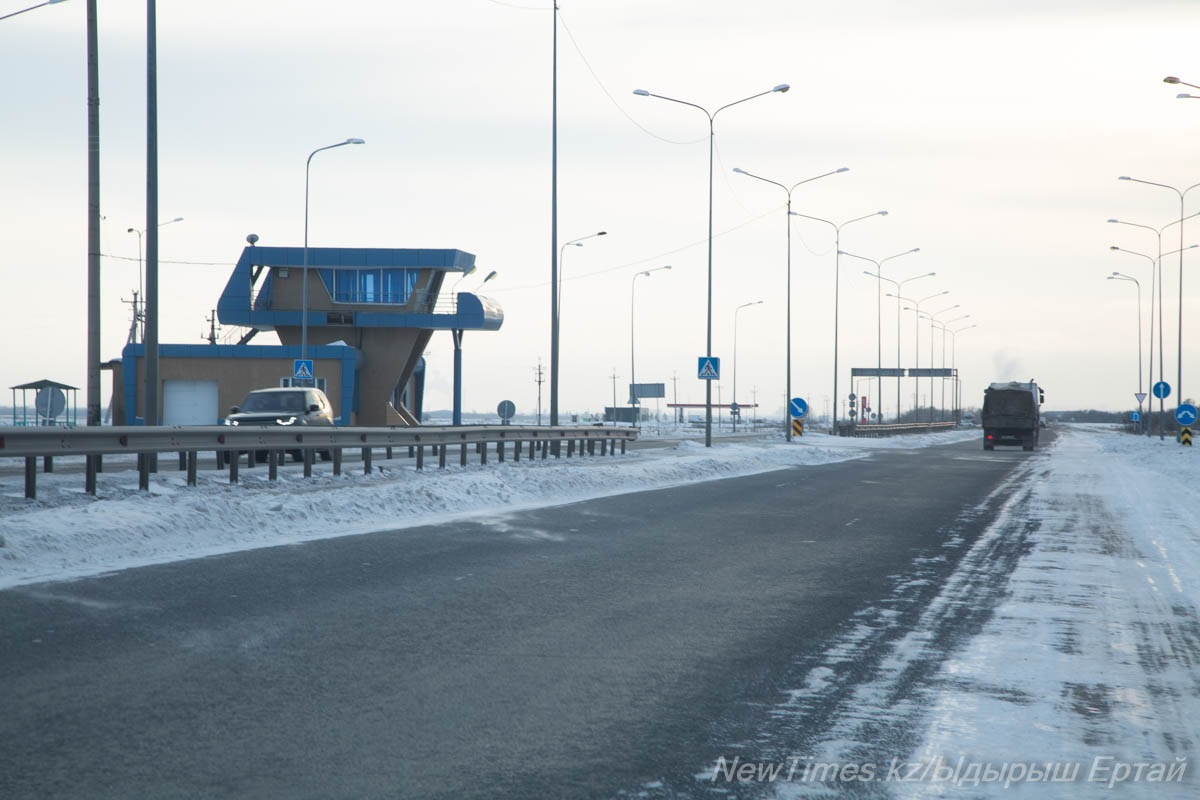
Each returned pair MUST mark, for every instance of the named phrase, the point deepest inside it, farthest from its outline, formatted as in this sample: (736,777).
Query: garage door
(190,403)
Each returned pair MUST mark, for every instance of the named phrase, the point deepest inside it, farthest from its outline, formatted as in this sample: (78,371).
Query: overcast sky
(992,133)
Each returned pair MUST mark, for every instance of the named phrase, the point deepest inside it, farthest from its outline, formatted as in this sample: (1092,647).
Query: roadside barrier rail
(228,441)
(868,431)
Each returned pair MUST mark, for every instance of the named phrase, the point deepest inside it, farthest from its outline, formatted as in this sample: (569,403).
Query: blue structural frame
(348,390)
(236,308)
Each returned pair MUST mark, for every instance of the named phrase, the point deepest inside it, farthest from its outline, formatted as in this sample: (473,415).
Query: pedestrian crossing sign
(302,369)
(709,369)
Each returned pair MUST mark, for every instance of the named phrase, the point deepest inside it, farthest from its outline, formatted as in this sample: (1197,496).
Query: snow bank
(66,533)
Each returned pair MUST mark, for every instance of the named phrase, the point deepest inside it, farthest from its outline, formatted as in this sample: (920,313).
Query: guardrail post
(570,447)
(545,445)
(143,472)
(420,457)
(31,477)
(500,450)
(233,467)
(308,461)
(366,457)
(182,460)
(192,457)
(89,479)
(604,447)
(272,465)
(482,452)
(442,457)
(387,453)
(517,450)
(623,441)
(47,464)
(591,447)
(410,451)
(251,459)
(337,461)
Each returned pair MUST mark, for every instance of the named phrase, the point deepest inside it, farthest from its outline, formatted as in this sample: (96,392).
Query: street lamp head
(1113,247)
(131,230)
(1184,96)
(602,233)
(355,141)
(1170,79)
(490,275)
(783,87)
(842,169)
(1114,220)
(1124,178)
(882,213)
(641,92)
(252,238)
(740,171)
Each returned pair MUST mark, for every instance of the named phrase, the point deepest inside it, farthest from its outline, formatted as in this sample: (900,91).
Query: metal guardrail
(868,431)
(228,441)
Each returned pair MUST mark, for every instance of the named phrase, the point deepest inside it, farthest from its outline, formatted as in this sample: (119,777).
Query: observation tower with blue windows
(370,314)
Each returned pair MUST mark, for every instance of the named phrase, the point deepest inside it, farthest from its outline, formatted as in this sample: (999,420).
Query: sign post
(1161,390)
(1185,415)
(798,409)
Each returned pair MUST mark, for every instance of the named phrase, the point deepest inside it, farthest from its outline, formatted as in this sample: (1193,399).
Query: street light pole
(787,397)
(735,323)
(1118,276)
(837,271)
(304,269)
(783,87)
(633,396)
(31,8)
(555,313)
(879,321)
(140,315)
(1182,194)
(899,285)
(954,368)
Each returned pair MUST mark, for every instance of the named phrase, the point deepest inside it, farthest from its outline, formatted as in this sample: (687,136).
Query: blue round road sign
(1185,415)
(1162,390)
(798,407)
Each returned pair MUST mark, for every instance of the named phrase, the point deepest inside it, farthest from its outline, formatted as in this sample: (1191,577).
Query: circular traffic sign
(1185,415)
(506,409)
(1162,390)
(798,407)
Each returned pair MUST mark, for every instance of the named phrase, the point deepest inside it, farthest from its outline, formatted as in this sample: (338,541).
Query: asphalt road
(572,652)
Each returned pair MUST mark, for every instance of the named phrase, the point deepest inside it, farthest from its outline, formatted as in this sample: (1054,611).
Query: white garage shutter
(190,403)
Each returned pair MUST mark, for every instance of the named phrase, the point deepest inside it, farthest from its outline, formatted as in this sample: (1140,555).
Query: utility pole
(675,387)
(614,405)
(212,327)
(539,380)
(137,319)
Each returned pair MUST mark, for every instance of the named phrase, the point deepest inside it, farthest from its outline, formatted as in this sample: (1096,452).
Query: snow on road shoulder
(67,534)
(1092,659)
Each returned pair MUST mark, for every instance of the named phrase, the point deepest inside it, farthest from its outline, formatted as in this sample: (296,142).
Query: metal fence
(275,441)
(871,431)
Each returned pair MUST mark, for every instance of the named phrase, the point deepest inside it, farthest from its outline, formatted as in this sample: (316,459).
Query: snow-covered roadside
(67,534)
(1084,675)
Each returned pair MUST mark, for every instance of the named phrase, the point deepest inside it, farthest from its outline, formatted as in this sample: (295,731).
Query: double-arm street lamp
(1141,397)
(633,395)
(1182,193)
(879,319)
(787,398)
(954,367)
(899,285)
(304,269)
(837,271)
(783,87)
(944,328)
(916,307)
(737,413)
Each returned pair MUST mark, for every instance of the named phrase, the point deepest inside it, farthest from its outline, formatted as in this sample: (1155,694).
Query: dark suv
(295,405)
